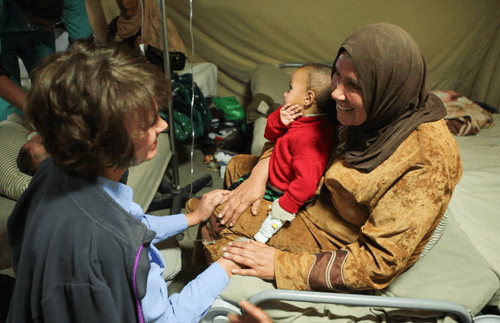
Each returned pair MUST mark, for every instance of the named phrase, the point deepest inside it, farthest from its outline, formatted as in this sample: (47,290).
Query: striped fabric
(12,181)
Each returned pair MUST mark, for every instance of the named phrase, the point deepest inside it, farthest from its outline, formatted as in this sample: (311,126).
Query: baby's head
(310,87)
(31,154)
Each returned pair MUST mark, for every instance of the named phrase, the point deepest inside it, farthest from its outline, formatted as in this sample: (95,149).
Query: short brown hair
(25,161)
(81,100)
(319,78)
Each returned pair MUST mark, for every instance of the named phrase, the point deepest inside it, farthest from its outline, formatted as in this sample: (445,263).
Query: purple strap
(139,308)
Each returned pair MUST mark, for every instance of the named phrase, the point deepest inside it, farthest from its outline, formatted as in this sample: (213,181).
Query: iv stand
(173,195)
(166,65)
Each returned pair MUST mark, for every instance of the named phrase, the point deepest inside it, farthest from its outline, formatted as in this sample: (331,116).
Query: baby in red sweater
(304,136)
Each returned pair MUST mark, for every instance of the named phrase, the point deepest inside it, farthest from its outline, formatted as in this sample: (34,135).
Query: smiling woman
(385,190)
(347,92)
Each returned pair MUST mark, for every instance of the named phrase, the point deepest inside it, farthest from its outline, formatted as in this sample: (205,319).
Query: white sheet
(475,204)
(204,75)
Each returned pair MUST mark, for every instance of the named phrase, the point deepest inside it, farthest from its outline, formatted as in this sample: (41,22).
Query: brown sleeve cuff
(326,272)
(267,150)
(290,269)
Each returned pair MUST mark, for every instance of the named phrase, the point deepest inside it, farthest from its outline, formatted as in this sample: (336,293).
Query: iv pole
(173,195)
(168,74)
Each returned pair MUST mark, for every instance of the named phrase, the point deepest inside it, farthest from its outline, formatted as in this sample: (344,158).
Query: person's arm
(247,194)
(252,314)
(194,300)
(11,92)
(76,20)
(168,226)
(95,13)
(197,297)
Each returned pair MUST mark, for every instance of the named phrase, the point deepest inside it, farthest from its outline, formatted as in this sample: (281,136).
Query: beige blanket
(464,117)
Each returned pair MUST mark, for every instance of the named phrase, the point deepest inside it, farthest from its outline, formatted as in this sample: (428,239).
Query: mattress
(475,204)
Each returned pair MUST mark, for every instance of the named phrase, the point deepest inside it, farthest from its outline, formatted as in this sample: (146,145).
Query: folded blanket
(464,117)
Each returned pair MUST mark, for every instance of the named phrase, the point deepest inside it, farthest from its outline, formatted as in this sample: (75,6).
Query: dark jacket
(74,253)
(3,71)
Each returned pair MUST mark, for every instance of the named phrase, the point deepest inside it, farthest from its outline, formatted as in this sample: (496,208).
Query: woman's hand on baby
(288,113)
(255,258)
(249,193)
(205,208)
(239,200)
(252,314)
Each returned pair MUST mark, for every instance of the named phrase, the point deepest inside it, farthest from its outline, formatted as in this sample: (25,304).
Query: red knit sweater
(299,158)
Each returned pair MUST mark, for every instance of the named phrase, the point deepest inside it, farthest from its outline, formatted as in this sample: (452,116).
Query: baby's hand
(288,113)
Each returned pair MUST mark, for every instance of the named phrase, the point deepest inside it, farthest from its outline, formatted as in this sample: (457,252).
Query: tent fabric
(460,40)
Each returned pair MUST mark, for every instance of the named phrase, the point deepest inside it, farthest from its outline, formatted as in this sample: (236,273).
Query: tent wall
(459,39)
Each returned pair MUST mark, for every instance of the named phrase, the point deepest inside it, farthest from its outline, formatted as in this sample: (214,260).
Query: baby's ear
(310,97)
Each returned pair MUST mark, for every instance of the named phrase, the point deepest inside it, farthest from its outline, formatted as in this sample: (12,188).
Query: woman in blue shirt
(82,250)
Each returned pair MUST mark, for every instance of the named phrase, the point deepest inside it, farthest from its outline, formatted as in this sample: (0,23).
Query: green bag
(231,109)
(181,103)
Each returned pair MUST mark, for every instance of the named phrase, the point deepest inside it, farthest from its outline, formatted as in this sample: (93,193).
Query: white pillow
(270,80)
(12,181)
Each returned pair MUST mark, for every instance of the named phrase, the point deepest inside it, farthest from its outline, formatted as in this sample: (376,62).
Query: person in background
(139,23)
(31,154)
(82,250)
(27,32)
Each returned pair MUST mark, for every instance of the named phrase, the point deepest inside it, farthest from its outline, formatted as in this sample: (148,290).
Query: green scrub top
(18,38)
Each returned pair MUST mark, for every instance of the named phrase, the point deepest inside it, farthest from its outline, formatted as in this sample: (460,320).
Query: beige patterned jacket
(365,228)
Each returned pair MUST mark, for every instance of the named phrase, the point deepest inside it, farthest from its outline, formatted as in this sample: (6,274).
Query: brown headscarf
(396,88)
(152,33)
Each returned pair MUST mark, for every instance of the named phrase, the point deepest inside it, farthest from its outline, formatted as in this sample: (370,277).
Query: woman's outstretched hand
(249,193)
(252,314)
(256,258)
(205,208)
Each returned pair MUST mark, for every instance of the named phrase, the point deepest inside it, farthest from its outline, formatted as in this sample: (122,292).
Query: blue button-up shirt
(191,304)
